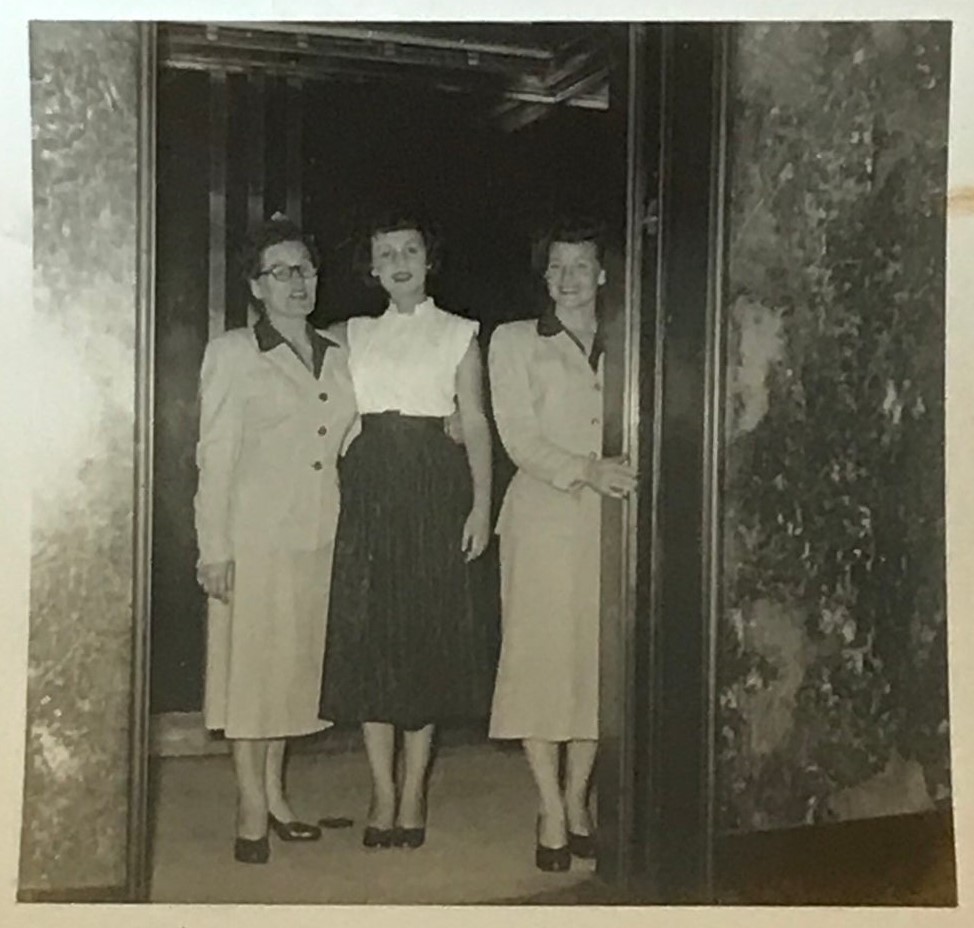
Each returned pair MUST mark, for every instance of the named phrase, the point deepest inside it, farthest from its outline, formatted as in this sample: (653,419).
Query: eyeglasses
(284,272)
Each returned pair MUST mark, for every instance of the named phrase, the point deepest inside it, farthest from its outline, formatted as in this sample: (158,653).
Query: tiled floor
(480,844)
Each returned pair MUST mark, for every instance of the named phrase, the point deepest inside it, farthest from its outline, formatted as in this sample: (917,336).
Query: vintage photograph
(489,463)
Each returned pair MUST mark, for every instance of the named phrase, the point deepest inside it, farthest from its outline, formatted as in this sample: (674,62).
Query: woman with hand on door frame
(546,380)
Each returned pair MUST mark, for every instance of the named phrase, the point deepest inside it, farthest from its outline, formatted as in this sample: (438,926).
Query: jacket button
(317,465)
(322,430)
(322,397)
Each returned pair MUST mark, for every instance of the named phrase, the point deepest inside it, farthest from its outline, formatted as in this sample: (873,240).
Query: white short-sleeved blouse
(407,362)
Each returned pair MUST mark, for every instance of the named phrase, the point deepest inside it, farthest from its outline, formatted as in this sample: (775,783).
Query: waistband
(395,419)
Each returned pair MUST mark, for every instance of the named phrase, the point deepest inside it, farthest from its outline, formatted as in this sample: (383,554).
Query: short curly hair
(396,220)
(573,230)
(273,231)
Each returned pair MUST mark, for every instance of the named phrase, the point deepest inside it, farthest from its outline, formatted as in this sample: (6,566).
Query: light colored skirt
(548,675)
(265,648)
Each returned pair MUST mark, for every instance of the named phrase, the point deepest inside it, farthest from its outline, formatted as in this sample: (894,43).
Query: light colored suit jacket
(547,402)
(271,433)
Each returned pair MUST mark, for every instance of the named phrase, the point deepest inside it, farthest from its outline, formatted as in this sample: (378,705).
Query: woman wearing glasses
(276,407)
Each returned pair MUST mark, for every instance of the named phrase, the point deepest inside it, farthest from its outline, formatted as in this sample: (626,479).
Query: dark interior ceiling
(523,69)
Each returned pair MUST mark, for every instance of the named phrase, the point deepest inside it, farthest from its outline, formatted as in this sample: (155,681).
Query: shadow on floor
(904,860)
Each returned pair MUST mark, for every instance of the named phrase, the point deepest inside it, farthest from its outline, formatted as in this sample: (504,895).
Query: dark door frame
(686,538)
(661,553)
(661,590)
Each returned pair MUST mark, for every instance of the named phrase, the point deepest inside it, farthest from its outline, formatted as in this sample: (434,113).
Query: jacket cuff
(571,474)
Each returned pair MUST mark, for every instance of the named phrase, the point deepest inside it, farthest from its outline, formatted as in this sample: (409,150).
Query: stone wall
(84,80)
(832,652)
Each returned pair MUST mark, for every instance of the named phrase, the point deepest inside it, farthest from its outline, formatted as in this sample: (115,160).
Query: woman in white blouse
(405,649)
(276,407)
(546,392)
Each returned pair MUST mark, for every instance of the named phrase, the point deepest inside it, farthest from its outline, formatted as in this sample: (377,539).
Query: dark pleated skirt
(404,644)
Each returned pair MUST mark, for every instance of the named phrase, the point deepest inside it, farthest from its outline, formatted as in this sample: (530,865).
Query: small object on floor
(581,846)
(339,821)
(294,831)
(252,851)
(410,837)
(378,837)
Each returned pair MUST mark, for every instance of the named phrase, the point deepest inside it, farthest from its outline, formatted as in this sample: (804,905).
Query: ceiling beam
(573,73)
(390,32)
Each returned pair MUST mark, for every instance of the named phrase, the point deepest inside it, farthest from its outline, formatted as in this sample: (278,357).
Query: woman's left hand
(453,426)
(476,533)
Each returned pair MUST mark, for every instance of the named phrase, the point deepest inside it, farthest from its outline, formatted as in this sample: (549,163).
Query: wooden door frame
(661,592)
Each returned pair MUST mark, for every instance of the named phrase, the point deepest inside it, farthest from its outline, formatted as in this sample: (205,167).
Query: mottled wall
(84,98)
(833,643)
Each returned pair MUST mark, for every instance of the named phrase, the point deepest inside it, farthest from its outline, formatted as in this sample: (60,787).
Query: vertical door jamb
(661,603)
(137,851)
(686,538)
(622,624)
(219,139)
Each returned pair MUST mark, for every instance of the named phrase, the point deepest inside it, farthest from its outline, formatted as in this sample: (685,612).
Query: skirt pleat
(404,642)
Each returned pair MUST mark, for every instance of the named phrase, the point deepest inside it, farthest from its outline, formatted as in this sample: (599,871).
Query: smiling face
(400,262)
(294,298)
(573,274)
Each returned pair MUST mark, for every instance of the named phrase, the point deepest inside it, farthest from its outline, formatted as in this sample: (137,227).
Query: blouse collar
(420,309)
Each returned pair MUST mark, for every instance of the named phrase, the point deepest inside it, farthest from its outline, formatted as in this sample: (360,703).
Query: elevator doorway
(491,131)
(491,128)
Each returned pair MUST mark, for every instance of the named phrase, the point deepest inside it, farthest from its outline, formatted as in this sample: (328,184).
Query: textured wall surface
(833,644)
(84,95)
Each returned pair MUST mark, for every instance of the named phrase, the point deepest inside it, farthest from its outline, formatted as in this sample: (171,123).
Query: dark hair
(273,231)
(574,230)
(396,220)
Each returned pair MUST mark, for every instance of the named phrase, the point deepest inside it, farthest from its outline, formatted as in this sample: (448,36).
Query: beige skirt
(548,675)
(265,648)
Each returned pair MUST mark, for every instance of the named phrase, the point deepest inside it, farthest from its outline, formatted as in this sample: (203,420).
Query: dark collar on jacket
(549,325)
(268,337)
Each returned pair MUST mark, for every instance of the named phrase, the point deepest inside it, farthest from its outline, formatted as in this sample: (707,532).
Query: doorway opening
(490,129)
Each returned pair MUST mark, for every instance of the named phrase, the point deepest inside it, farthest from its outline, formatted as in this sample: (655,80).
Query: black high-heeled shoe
(410,837)
(293,831)
(378,837)
(581,846)
(551,859)
(252,850)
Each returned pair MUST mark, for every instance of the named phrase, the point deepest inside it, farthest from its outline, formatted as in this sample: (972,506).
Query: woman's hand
(216,580)
(476,533)
(611,477)
(453,426)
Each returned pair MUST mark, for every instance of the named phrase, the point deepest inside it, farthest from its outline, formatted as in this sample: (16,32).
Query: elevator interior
(491,129)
